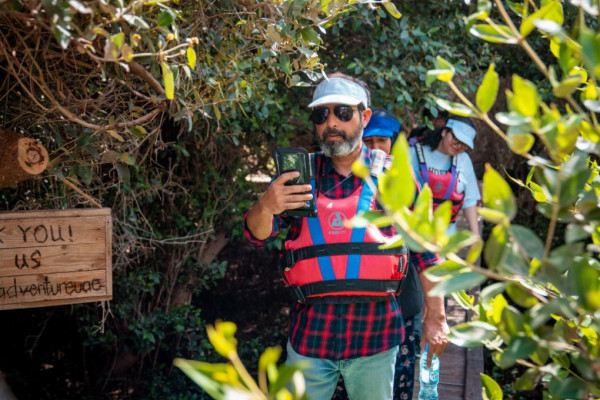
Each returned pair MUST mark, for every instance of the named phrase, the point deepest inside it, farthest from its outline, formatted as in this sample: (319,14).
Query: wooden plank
(51,289)
(474,364)
(52,259)
(55,257)
(34,232)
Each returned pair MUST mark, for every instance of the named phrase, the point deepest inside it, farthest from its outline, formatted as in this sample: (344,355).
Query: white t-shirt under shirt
(440,163)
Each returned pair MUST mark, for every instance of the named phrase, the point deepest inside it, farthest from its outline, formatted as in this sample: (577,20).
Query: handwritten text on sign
(55,257)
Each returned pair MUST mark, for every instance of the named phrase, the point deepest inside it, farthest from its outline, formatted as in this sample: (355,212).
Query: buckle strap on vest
(425,171)
(301,293)
(291,257)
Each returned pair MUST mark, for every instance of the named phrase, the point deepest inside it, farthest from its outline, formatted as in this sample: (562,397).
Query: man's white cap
(339,91)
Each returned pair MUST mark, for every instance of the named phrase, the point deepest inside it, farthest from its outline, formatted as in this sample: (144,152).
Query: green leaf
(567,388)
(444,71)
(490,215)
(269,357)
(458,240)
(444,270)
(498,304)
(191,57)
(391,8)
(512,118)
(528,240)
(118,40)
(441,218)
(490,390)
(487,92)
(567,86)
(573,176)
(551,11)
(284,63)
(575,233)
(519,348)
(223,343)
(286,374)
(166,18)
(491,291)
(587,285)
(497,194)
(474,252)
(456,108)
(463,299)
(521,297)
(493,34)
(190,368)
(310,35)
(126,52)
(168,80)
(495,246)
(471,334)
(462,281)
(521,143)
(590,50)
(136,21)
(526,98)
(512,321)
(424,204)
(397,186)
(528,380)
(116,135)
(363,219)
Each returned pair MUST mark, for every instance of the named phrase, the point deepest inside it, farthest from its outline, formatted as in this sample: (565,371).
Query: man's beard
(340,148)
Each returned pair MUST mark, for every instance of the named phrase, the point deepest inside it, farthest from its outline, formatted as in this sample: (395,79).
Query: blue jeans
(366,378)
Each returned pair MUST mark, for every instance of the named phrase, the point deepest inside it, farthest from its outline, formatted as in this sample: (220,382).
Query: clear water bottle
(429,377)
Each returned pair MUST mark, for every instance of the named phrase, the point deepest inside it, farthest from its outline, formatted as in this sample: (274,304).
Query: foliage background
(88,80)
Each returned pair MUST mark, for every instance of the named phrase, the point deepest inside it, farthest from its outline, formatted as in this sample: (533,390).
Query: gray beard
(341,148)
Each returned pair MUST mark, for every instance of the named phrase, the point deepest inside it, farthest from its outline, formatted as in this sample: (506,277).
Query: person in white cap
(345,319)
(440,158)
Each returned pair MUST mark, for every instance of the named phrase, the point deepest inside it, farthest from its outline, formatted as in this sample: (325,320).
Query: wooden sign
(55,257)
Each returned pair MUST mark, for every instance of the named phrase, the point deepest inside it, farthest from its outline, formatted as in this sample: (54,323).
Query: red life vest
(443,187)
(332,263)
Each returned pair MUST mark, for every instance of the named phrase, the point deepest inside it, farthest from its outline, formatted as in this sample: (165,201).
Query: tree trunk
(183,293)
(20,158)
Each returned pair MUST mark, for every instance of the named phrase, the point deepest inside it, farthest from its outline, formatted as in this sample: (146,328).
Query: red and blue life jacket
(443,186)
(330,262)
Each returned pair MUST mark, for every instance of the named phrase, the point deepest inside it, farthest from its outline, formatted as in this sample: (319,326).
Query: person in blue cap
(440,158)
(381,133)
(382,130)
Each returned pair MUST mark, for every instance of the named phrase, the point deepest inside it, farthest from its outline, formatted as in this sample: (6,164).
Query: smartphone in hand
(287,160)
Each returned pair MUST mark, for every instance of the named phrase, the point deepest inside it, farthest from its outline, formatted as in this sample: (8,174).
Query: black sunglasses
(320,114)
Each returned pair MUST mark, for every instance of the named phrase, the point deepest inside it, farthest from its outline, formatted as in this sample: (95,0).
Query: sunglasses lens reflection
(320,115)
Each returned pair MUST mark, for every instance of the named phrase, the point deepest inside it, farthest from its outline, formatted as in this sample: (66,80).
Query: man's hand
(279,197)
(276,199)
(435,328)
(435,331)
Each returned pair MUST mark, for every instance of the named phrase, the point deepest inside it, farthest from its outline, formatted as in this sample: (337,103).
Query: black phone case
(289,159)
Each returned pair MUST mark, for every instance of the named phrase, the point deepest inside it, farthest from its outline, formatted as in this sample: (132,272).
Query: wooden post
(20,158)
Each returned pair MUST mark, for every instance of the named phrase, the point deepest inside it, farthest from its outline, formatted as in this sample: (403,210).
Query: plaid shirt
(342,331)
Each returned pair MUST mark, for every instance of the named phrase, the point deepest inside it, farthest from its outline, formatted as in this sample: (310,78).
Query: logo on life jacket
(336,221)
(438,187)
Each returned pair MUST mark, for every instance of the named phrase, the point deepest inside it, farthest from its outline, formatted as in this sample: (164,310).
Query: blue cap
(381,126)
(462,131)
(339,91)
